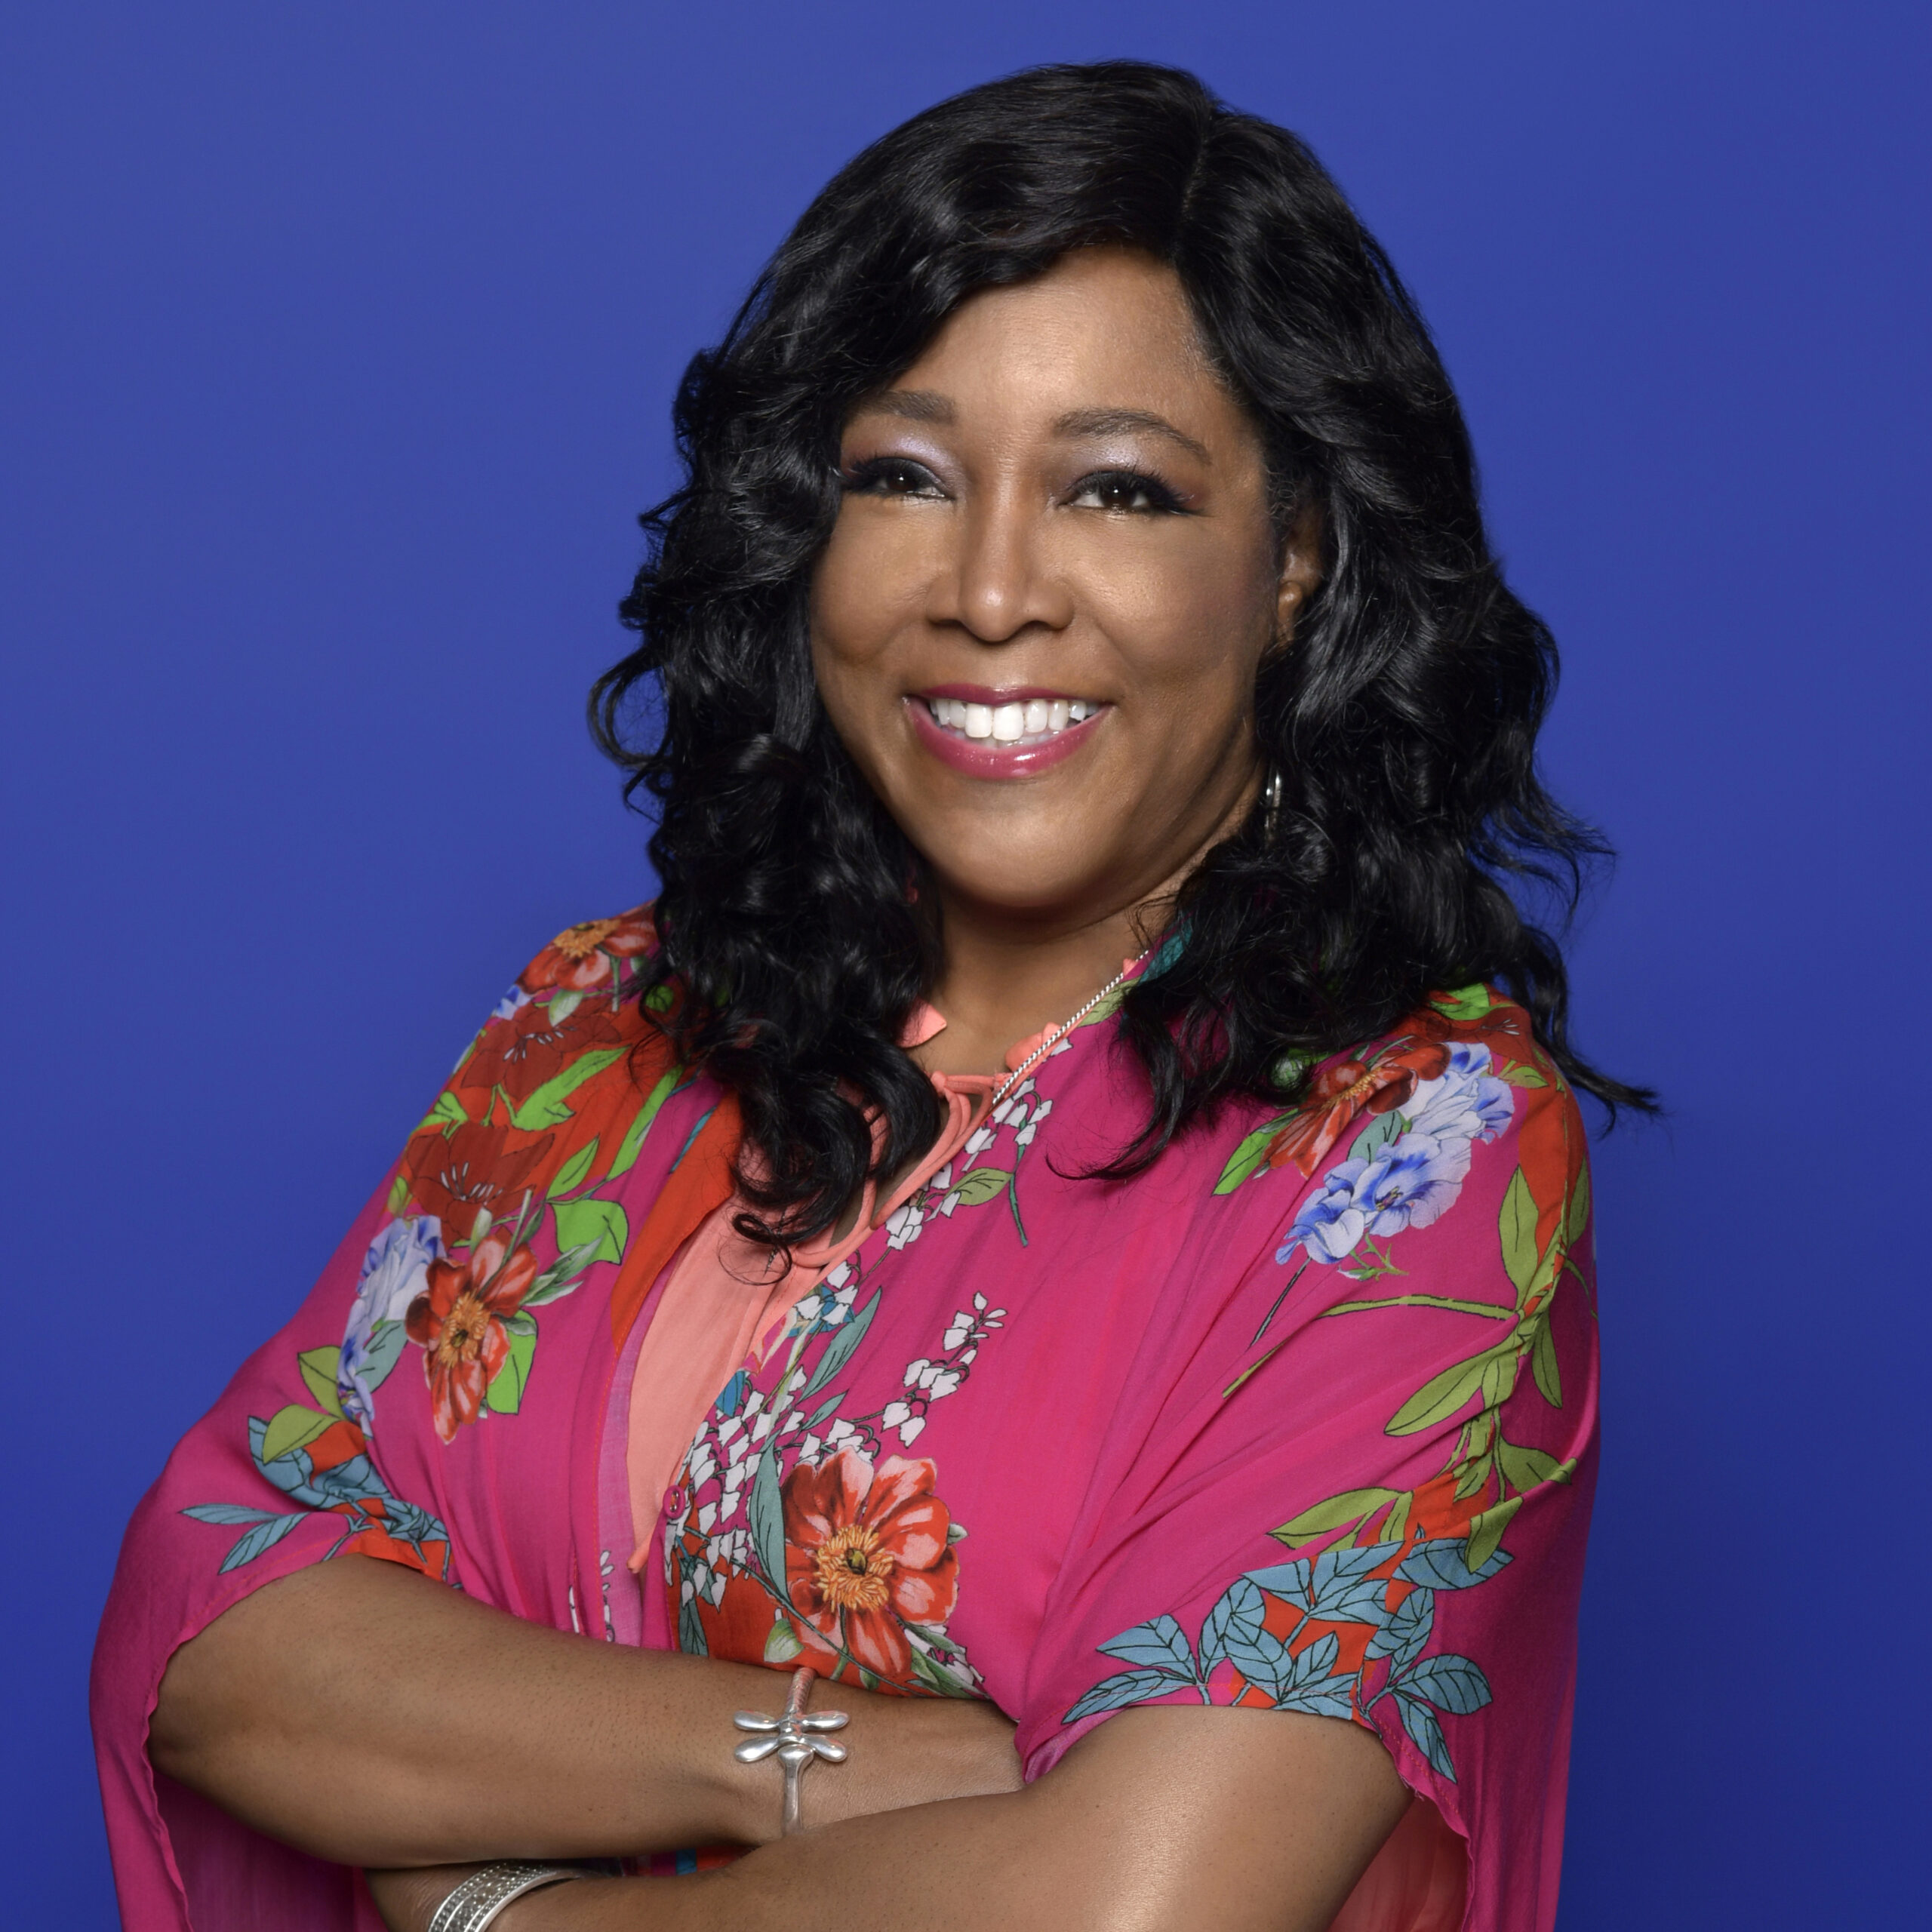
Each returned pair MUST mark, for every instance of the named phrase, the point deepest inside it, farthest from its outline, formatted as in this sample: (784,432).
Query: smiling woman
(1084,1033)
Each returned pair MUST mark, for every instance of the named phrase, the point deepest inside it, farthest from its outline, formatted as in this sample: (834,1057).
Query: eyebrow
(1115,422)
(914,405)
(930,406)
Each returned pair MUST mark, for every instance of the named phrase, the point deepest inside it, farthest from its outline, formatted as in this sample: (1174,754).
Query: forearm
(1247,1821)
(368,1716)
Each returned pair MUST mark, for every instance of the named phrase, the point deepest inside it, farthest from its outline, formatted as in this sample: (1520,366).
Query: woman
(1065,1233)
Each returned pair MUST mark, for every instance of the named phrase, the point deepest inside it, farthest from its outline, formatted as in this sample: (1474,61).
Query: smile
(1033,720)
(1002,734)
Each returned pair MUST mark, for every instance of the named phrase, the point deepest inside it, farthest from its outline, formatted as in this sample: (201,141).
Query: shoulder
(1462,1079)
(594,954)
(548,1093)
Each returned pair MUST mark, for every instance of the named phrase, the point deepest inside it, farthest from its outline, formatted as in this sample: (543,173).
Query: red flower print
(865,1553)
(477,1166)
(1341,1093)
(458,1321)
(581,956)
(521,1053)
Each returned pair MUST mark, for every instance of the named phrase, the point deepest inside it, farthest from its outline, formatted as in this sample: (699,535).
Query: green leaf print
(545,1108)
(570,1176)
(1486,1530)
(318,1367)
(505,1394)
(1246,1160)
(292,1428)
(980,1185)
(1517,1224)
(1578,1218)
(600,1225)
(633,1139)
(1352,1506)
(1441,1395)
(1542,1366)
(449,1112)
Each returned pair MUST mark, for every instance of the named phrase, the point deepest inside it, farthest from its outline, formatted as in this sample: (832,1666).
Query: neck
(1008,974)
(1001,984)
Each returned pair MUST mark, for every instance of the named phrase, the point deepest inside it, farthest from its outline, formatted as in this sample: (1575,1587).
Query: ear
(1301,571)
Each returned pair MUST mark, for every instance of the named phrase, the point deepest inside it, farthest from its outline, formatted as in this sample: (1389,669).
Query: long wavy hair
(1402,722)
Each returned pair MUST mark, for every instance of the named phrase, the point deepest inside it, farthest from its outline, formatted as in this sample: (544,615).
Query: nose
(997,583)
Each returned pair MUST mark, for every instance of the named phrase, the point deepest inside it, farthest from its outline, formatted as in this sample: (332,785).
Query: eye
(890,476)
(1126,490)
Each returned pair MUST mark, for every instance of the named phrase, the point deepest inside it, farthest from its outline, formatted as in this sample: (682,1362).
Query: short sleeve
(288,1468)
(1366,1492)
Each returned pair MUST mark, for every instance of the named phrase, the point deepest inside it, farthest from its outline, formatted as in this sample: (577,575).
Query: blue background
(335,348)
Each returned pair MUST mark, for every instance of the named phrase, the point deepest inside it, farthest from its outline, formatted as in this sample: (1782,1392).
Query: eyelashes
(1119,492)
(890,476)
(1132,490)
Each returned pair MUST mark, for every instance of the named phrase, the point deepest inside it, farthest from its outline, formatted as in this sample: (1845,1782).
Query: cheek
(1188,626)
(867,587)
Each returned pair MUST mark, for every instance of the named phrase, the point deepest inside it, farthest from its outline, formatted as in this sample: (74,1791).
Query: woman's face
(1053,574)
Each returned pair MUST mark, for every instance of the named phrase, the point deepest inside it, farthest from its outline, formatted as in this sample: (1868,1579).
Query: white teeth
(1036,719)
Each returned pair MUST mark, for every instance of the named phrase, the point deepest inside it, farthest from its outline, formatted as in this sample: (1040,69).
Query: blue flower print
(1465,1101)
(1411,1183)
(395,1272)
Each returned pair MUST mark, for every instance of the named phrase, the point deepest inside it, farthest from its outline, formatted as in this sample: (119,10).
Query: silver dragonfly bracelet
(796,1740)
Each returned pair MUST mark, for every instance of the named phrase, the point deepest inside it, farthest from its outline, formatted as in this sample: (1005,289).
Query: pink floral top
(1304,1417)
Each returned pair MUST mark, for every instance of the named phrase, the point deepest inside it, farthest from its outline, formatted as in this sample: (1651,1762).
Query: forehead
(1104,332)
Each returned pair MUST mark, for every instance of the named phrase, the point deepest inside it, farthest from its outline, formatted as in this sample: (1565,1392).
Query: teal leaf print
(1371,1141)
(1309,1684)
(766,1512)
(1336,1586)
(1159,1645)
(1443,1565)
(263,1536)
(1259,1655)
(1236,1618)
(1403,1637)
(1421,1723)
(840,1351)
(1451,1683)
(1130,1687)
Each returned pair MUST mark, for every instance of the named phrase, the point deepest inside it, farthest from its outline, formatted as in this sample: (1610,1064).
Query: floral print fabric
(1303,1419)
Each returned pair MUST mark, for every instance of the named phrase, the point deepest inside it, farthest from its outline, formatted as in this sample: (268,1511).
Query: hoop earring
(1270,805)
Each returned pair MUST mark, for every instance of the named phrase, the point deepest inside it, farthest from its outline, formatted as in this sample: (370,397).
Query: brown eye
(1125,490)
(890,476)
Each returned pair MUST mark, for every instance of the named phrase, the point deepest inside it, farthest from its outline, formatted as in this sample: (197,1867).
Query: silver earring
(1271,804)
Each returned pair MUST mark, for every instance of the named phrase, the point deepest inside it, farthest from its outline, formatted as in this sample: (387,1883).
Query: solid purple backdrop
(336,345)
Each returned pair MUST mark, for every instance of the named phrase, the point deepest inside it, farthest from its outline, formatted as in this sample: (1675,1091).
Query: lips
(1008,733)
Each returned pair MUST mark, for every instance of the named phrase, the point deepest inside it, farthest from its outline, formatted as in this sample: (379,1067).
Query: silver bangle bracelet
(476,1902)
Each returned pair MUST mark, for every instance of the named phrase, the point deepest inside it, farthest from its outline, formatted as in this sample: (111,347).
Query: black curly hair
(1403,722)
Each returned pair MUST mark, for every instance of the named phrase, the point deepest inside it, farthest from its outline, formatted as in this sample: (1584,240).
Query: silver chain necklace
(1055,1035)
